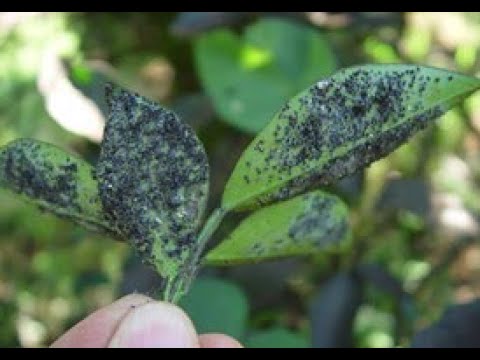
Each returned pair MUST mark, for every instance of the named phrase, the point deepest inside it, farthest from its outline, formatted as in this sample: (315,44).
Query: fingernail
(155,324)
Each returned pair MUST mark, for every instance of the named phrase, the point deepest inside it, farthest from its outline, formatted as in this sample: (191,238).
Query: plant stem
(211,225)
(208,229)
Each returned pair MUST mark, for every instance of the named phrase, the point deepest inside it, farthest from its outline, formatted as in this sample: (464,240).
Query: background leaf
(305,225)
(191,23)
(153,176)
(333,309)
(218,306)
(340,125)
(276,338)
(459,327)
(412,195)
(55,181)
(249,78)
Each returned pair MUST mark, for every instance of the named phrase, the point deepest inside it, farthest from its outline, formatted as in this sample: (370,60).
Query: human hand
(139,321)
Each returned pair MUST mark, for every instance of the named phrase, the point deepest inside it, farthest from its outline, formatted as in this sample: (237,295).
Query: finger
(97,329)
(155,324)
(218,341)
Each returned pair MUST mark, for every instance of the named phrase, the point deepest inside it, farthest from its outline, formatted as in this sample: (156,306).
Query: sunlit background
(415,213)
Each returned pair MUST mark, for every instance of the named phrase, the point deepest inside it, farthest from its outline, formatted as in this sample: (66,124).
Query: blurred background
(415,214)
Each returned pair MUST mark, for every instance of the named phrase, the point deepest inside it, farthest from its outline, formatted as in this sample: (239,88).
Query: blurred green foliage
(250,78)
(53,273)
(217,306)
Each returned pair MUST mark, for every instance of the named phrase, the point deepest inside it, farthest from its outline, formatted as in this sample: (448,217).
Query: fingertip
(155,324)
(133,299)
(97,328)
(218,341)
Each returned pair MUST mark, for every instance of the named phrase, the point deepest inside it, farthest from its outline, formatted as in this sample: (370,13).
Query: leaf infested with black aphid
(340,125)
(55,181)
(305,225)
(153,177)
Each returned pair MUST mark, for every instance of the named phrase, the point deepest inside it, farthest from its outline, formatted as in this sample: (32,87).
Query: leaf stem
(211,225)
(176,288)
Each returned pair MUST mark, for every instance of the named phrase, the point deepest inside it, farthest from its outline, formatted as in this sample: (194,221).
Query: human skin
(139,321)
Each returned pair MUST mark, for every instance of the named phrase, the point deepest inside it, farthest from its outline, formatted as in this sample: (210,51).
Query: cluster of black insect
(28,171)
(352,119)
(153,175)
(317,224)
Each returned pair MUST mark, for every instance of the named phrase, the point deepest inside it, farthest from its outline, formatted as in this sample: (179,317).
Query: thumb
(155,324)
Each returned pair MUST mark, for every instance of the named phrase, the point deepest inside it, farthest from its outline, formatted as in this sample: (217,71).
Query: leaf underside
(304,225)
(55,181)
(153,179)
(340,125)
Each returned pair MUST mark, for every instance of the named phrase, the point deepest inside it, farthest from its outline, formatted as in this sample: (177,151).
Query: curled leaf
(304,225)
(55,181)
(153,180)
(340,125)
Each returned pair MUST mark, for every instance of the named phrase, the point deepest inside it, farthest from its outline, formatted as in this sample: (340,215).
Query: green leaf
(249,78)
(217,306)
(153,180)
(338,126)
(304,225)
(277,337)
(55,181)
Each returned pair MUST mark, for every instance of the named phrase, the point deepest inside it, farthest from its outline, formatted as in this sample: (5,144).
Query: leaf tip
(114,93)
